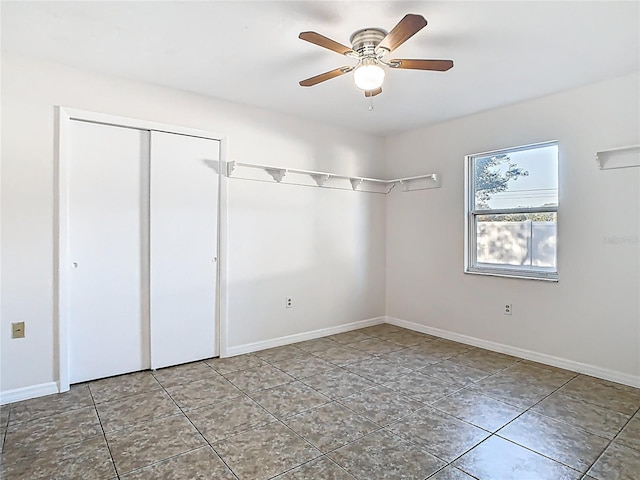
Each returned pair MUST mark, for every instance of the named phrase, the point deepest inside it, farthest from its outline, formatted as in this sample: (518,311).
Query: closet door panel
(183,248)
(108,323)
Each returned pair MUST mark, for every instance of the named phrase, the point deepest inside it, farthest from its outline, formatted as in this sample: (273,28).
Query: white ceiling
(248,52)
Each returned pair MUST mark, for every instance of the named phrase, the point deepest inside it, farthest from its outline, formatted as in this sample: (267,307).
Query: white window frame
(470,258)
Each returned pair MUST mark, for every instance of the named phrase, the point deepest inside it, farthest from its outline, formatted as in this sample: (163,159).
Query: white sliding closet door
(107,248)
(183,248)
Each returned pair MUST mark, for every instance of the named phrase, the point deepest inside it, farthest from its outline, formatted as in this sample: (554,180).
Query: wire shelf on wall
(312,178)
(620,157)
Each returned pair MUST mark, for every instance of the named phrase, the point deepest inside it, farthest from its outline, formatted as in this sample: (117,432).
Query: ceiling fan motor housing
(365,41)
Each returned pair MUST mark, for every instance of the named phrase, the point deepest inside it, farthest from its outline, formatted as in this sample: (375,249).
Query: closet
(141,242)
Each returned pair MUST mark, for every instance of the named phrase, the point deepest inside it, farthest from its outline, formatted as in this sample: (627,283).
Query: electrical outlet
(289,302)
(17,330)
(508,308)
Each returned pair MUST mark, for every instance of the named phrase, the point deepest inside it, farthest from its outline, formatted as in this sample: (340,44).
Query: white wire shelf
(312,178)
(621,157)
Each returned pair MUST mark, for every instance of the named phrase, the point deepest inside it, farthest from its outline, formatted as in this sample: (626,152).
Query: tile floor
(377,403)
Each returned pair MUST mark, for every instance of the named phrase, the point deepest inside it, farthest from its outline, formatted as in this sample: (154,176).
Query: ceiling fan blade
(372,93)
(322,41)
(309,82)
(403,31)
(438,65)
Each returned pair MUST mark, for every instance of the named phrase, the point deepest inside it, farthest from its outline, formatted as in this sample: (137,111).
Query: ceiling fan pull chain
(371,103)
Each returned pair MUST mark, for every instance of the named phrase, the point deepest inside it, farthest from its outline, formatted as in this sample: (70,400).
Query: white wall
(592,315)
(323,247)
(326,248)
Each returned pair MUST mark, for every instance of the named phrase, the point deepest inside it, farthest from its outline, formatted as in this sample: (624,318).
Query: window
(512,212)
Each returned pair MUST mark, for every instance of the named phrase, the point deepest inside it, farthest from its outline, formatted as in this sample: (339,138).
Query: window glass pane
(518,240)
(517,179)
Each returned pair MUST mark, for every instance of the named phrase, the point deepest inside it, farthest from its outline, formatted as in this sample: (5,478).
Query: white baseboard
(300,337)
(587,369)
(25,393)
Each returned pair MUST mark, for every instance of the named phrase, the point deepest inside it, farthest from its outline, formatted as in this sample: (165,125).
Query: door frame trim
(62,268)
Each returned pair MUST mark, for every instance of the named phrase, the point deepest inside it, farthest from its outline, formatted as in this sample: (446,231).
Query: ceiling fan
(369,46)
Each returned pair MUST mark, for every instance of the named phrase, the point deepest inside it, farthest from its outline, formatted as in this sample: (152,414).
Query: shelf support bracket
(276,173)
(355,182)
(320,179)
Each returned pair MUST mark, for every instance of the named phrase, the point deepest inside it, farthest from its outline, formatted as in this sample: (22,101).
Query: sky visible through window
(538,188)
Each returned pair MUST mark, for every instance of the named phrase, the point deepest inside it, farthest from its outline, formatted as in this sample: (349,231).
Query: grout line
(198,430)
(338,401)
(4,441)
(495,434)
(433,475)
(345,368)
(611,441)
(591,402)
(165,459)
(331,400)
(126,394)
(278,475)
(585,402)
(230,436)
(326,454)
(5,428)
(491,434)
(104,435)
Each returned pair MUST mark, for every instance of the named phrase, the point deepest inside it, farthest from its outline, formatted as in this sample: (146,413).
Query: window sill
(520,274)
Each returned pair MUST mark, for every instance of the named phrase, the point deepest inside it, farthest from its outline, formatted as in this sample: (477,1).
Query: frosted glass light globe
(368,77)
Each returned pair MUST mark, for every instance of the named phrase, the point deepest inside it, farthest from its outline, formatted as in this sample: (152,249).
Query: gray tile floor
(377,403)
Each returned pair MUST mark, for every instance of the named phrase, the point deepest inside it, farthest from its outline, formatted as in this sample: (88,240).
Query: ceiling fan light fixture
(368,76)
(369,46)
